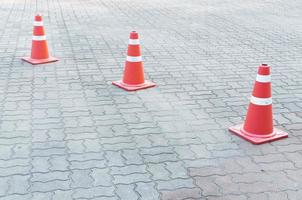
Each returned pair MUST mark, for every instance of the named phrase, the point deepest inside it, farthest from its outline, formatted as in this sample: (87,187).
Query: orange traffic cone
(39,49)
(258,126)
(133,78)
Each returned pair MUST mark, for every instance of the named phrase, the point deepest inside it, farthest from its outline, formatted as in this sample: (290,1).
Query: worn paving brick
(101,177)
(4,185)
(59,194)
(81,178)
(87,193)
(175,184)
(158,171)
(132,157)
(147,191)
(55,175)
(126,192)
(88,164)
(50,186)
(176,169)
(131,178)
(129,169)
(185,193)
(46,196)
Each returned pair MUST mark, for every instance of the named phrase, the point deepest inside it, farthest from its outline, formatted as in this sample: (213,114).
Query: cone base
(39,61)
(277,135)
(128,87)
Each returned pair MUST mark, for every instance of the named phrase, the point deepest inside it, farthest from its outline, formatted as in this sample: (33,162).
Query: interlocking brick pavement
(67,133)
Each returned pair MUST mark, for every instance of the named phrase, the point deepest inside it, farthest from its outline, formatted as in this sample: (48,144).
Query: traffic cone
(133,78)
(258,126)
(39,49)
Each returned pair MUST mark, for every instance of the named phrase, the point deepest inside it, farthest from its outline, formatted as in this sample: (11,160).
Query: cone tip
(264,69)
(133,35)
(38,17)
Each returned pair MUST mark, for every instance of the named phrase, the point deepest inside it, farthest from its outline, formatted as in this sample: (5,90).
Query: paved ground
(67,133)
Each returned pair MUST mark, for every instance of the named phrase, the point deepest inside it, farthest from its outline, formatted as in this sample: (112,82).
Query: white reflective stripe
(261,101)
(134,59)
(263,78)
(133,41)
(39,38)
(38,23)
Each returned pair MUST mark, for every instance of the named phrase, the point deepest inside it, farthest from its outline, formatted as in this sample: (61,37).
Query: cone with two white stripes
(258,126)
(133,78)
(39,49)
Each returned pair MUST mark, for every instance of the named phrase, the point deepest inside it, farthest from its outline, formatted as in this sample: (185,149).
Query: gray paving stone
(48,152)
(175,184)
(131,178)
(184,152)
(101,177)
(92,192)
(228,197)
(105,198)
(81,178)
(92,145)
(158,171)
(165,157)
(177,170)
(15,170)
(209,187)
(86,156)
(50,186)
(114,158)
(126,192)
(58,194)
(132,157)
(130,169)
(45,177)
(75,146)
(58,163)
(6,152)
(147,191)
(40,196)
(88,164)
(17,197)
(4,185)
(183,193)
(40,164)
